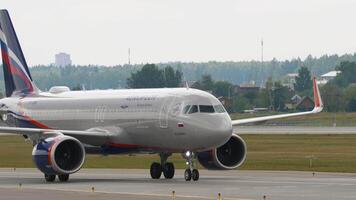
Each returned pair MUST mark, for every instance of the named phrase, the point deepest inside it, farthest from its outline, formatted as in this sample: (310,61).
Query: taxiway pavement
(136,184)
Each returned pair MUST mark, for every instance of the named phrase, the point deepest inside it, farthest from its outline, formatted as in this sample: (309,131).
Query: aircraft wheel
(49,177)
(63,177)
(188,175)
(168,170)
(195,175)
(156,170)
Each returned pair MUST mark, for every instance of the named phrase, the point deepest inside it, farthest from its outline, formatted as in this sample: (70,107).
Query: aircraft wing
(91,136)
(318,107)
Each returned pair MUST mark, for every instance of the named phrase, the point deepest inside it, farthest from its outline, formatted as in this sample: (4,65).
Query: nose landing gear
(191,172)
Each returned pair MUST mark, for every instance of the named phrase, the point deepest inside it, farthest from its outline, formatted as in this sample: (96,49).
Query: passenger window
(206,109)
(193,109)
(186,108)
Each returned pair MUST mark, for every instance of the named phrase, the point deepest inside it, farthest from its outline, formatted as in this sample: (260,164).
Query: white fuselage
(153,119)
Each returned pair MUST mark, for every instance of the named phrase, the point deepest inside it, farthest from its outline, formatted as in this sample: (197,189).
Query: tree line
(217,77)
(105,77)
(338,94)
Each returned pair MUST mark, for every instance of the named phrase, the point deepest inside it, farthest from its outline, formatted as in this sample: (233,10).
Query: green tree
(262,99)
(303,80)
(207,83)
(347,75)
(172,78)
(240,104)
(251,96)
(76,88)
(333,98)
(280,95)
(350,99)
(148,77)
(269,88)
(222,88)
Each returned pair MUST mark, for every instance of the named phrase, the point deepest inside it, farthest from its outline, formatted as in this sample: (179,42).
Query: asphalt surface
(293,130)
(136,184)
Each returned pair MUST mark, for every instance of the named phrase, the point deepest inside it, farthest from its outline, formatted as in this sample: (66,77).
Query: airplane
(64,126)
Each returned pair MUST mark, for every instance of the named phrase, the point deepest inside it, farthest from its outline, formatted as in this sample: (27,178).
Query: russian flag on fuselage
(17,76)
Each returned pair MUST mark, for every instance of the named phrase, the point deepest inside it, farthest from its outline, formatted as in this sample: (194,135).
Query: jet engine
(228,156)
(59,155)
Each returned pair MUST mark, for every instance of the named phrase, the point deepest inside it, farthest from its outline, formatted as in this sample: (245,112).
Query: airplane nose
(220,129)
(225,129)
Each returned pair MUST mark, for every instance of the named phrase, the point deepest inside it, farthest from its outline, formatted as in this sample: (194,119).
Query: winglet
(318,103)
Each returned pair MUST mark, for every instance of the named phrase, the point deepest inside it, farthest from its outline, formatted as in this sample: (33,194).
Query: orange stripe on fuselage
(32,121)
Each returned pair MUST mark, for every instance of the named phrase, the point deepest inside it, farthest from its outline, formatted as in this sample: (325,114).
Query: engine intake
(59,155)
(228,156)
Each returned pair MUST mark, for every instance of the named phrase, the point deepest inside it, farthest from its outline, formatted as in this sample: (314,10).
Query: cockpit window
(219,108)
(206,109)
(193,109)
(186,108)
(189,109)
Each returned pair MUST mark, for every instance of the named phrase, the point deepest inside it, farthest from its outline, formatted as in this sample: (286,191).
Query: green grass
(334,153)
(320,119)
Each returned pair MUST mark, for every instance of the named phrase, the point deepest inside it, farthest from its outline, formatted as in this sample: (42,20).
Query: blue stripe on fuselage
(20,121)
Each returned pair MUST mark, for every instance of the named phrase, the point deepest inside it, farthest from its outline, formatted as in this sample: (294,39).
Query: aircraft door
(99,116)
(163,114)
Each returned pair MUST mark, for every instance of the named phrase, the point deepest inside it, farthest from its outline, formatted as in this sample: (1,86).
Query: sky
(101,32)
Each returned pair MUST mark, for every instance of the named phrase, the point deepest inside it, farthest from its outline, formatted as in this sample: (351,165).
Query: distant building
(328,76)
(296,99)
(255,110)
(306,104)
(245,88)
(289,80)
(62,60)
(300,103)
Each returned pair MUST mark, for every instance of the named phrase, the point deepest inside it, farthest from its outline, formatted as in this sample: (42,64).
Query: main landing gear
(191,172)
(52,177)
(166,167)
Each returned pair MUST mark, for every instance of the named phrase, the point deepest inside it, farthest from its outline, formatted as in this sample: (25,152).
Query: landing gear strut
(166,167)
(191,172)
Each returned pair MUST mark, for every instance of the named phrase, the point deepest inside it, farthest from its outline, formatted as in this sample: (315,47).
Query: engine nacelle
(228,156)
(59,155)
